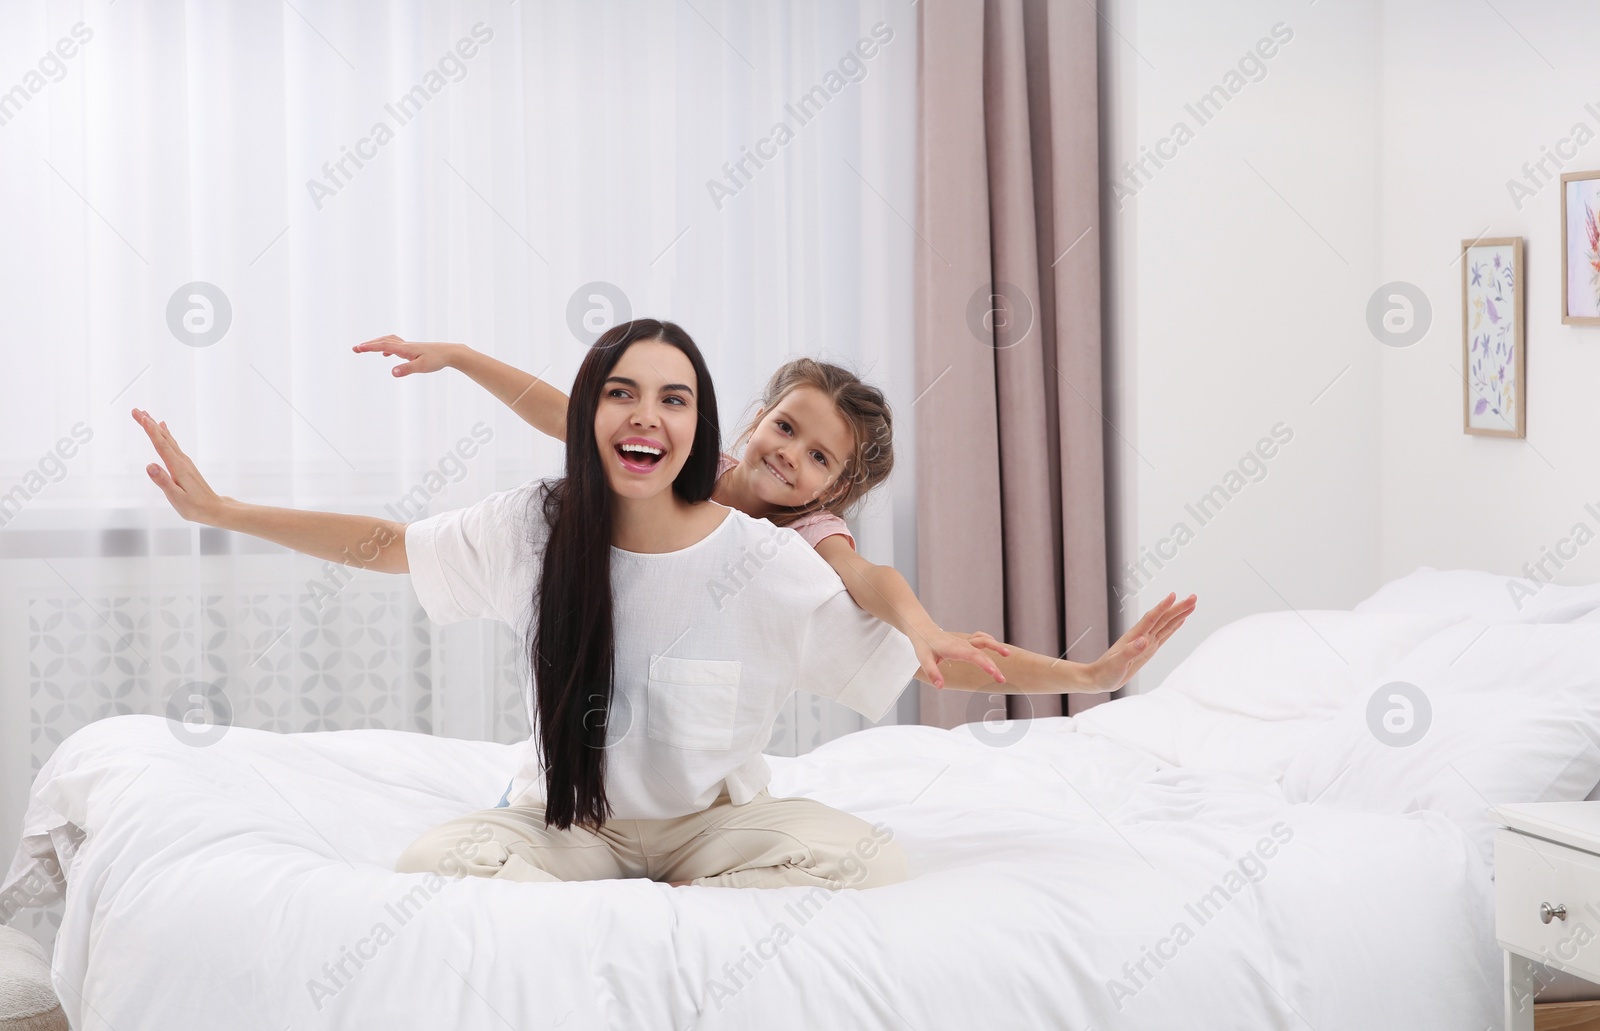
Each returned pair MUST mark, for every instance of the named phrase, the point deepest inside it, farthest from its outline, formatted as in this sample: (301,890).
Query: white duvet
(220,887)
(1064,873)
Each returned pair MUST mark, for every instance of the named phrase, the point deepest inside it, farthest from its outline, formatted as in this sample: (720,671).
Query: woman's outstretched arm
(364,541)
(536,402)
(951,659)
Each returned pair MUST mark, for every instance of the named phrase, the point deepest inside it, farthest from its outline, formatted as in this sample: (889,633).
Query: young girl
(657,676)
(819,443)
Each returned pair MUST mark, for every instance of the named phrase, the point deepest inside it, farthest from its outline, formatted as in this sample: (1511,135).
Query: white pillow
(1175,729)
(1472,594)
(1297,665)
(1513,715)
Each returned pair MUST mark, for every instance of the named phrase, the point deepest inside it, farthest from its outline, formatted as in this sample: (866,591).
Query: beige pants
(766,843)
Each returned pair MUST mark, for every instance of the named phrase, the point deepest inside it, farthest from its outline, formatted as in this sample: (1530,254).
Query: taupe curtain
(1011,513)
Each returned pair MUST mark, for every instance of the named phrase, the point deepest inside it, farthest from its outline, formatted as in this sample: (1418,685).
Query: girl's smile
(773,470)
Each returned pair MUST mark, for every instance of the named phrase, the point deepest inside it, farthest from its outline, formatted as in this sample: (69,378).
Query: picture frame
(1493,349)
(1580,248)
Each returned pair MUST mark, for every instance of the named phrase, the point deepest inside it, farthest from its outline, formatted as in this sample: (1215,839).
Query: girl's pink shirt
(813,527)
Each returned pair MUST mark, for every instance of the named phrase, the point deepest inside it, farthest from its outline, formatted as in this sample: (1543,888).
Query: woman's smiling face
(798,449)
(645,421)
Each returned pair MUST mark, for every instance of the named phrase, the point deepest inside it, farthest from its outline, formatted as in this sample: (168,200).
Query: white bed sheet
(215,883)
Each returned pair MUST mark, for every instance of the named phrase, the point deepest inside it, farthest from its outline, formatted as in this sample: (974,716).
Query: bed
(1250,845)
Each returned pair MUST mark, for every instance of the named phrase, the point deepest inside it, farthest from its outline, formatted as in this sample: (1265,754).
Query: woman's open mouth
(640,458)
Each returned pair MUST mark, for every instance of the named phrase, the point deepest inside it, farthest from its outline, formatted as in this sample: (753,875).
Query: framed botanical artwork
(1493,356)
(1580,248)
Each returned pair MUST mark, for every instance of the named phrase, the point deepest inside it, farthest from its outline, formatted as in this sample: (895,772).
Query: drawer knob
(1546,911)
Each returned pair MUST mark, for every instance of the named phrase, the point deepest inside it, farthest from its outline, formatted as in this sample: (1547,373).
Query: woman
(664,631)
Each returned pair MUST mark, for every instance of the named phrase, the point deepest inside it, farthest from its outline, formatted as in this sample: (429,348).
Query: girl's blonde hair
(871,423)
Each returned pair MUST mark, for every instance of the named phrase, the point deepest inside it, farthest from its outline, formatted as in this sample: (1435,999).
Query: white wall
(1237,280)
(1452,138)
(1379,137)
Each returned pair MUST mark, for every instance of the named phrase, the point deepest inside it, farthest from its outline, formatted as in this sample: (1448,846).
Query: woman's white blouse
(709,642)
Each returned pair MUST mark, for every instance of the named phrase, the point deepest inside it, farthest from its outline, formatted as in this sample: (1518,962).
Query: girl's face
(645,422)
(798,449)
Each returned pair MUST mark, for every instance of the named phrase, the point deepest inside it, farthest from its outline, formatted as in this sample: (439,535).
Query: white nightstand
(1546,897)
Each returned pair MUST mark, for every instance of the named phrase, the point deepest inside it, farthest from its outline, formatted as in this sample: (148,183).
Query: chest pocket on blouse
(692,703)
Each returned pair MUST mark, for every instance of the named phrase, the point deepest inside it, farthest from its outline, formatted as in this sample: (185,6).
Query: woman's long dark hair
(570,648)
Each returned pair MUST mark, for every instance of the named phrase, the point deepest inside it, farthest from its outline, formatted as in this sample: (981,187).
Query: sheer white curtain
(207,205)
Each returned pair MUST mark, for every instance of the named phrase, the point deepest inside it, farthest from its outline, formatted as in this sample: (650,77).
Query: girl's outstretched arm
(882,591)
(536,402)
(958,660)
(365,541)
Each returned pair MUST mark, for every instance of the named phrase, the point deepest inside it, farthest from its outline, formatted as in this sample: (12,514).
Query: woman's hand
(419,357)
(1139,645)
(180,481)
(942,645)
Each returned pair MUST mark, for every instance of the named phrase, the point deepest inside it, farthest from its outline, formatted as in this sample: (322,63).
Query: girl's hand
(180,481)
(420,357)
(1136,647)
(942,645)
